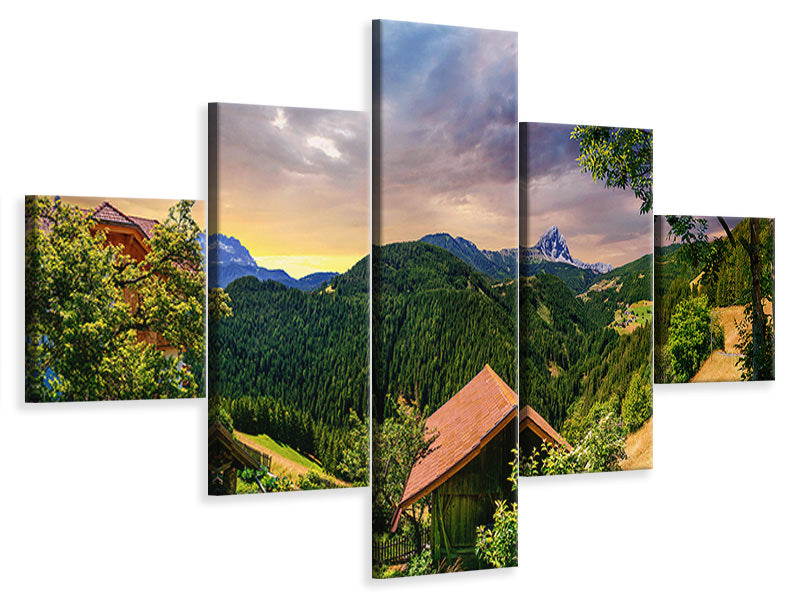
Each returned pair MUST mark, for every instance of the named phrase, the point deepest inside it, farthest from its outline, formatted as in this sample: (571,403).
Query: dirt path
(721,365)
(639,448)
(718,367)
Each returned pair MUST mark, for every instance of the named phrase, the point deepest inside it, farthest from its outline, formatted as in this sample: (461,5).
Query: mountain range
(502,264)
(552,246)
(229,260)
(499,264)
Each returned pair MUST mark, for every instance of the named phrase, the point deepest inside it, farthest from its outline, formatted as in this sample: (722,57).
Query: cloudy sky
(600,224)
(713,231)
(293,185)
(149,208)
(448,127)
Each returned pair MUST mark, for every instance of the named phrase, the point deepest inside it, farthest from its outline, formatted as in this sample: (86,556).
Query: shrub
(498,545)
(717,335)
(689,337)
(638,403)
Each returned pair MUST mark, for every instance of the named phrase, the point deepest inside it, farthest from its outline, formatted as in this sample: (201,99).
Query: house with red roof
(467,467)
(134,234)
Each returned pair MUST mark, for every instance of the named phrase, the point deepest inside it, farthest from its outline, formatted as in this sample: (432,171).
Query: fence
(397,551)
(264,460)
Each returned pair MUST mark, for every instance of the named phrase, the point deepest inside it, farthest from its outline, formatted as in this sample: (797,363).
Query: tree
(399,443)
(689,337)
(218,304)
(621,157)
(86,301)
(354,463)
(637,406)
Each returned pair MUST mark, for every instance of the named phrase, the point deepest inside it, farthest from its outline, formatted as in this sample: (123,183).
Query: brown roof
(107,213)
(465,424)
(530,419)
(218,433)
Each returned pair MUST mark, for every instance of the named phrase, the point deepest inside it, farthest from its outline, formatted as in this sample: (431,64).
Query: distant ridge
(498,264)
(229,259)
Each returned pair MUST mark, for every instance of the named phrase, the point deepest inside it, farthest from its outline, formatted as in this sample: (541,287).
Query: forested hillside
(568,361)
(624,285)
(293,364)
(437,322)
(578,280)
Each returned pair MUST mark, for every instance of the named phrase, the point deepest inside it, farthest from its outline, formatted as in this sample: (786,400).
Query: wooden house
(536,433)
(225,457)
(467,467)
(133,234)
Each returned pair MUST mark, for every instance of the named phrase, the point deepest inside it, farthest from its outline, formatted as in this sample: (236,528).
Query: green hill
(437,322)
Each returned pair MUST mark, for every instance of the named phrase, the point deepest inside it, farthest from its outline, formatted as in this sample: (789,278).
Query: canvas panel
(445,229)
(289,299)
(715,299)
(586,303)
(114,298)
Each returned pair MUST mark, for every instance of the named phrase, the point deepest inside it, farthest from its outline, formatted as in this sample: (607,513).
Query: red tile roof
(106,213)
(530,419)
(465,424)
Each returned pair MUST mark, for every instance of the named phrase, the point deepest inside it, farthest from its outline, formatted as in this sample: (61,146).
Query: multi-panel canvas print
(288,299)
(586,302)
(444,401)
(114,299)
(715,299)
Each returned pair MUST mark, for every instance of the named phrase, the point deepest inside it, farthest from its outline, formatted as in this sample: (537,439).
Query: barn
(467,467)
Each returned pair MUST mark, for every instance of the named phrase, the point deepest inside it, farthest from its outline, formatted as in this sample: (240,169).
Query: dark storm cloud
(449,131)
(550,150)
(599,223)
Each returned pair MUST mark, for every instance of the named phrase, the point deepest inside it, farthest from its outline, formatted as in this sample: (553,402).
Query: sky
(714,229)
(149,208)
(293,185)
(600,224)
(448,134)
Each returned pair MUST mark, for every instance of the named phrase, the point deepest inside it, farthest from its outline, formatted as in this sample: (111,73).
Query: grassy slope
(285,460)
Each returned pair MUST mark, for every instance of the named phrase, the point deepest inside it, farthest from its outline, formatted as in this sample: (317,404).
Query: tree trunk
(759,320)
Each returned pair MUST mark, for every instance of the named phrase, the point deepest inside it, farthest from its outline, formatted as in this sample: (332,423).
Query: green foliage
(420,564)
(260,480)
(313,480)
(354,462)
(762,357)
(397,444)
(498,545)
(217,413)
(601,449)
(622,157)
(637,406)
(689,337)
(86,300)
(218,304)
(717,335)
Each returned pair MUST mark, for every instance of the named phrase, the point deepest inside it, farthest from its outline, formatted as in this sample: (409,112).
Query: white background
(109,500)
